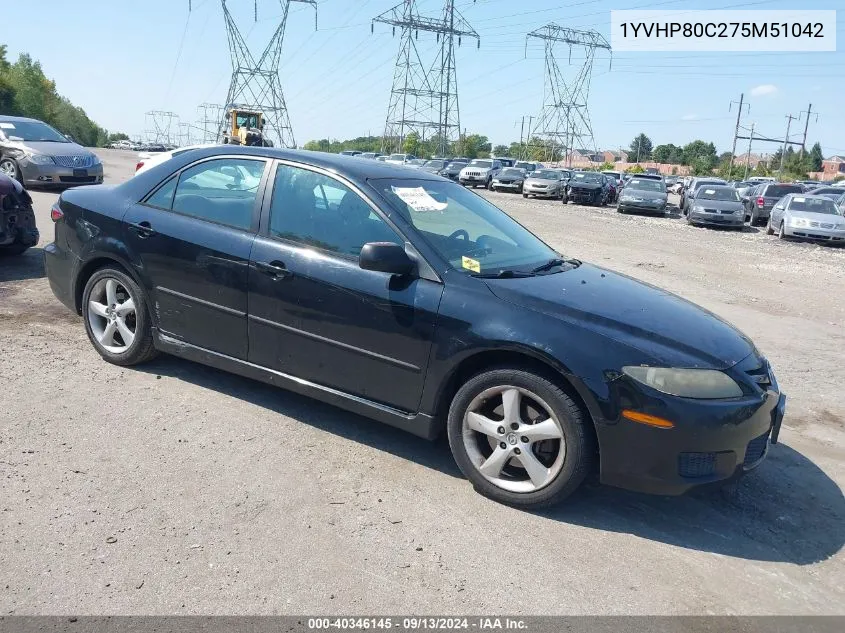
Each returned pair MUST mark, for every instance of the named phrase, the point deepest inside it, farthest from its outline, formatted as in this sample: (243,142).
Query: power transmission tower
(424,98)
(210,115)
(255,84)
(564,122)
(161,127)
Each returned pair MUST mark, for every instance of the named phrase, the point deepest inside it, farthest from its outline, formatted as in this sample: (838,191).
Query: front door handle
(274,269)
(143,229)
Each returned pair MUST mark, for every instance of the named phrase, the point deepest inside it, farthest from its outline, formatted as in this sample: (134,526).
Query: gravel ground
(175,488)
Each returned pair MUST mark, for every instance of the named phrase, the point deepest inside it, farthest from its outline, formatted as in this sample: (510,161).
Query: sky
(118,59)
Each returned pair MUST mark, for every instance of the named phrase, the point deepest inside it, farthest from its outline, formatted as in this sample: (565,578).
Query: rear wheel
(519,438)
(769,229)
(525,195)
(781,232)
(116,318)
(754,218)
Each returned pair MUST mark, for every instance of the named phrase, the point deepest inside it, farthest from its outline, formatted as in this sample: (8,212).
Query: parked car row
(143,147)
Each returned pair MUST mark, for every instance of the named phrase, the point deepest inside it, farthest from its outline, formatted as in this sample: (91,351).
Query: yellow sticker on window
(471,264)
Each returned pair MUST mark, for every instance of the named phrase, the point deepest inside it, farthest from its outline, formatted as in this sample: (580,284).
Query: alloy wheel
(7,168)
(514,439)
(112,315)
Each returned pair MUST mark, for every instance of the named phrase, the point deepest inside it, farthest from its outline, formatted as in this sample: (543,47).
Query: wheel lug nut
(502,445)
(524,439)
(500,430)
(514,426)
(517,451)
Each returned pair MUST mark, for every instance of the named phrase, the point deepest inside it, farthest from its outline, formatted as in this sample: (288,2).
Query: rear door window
(779,191)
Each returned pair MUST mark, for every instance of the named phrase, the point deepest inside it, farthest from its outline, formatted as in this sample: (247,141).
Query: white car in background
(148,160)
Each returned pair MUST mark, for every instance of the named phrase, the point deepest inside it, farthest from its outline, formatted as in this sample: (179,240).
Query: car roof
(4,117)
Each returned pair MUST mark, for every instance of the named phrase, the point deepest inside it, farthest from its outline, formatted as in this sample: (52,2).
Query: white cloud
(764,90)
(689,117)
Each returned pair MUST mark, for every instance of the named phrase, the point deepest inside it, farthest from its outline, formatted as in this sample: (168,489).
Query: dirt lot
(174,488)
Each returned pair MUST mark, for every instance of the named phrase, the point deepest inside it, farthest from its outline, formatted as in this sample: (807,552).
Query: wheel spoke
(97,308)
(492,466)
(125,333)
(126,307)
(511,399)
(107,337)
(545,430)
(538,473)
(482,424)
(111,292)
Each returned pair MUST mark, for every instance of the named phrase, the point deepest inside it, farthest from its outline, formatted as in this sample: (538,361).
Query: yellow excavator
(245,127)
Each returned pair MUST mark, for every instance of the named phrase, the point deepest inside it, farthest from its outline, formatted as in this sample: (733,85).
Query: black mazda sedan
(402,296)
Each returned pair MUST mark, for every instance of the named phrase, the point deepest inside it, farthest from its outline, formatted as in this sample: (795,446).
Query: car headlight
(40,159)
(798,222)
(740,211)
(697,209)
(517,182)
(658,200)
(626,198)
(95,160)
(495,180)
(704,384)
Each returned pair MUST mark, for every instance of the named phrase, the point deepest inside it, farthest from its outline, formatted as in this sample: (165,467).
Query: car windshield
(727,194)
(779,191)
(586,176)
(614,174)
(525,166)
(397,157)
(645,185)
(513,172)
(416,161)
(813,205)
(546,174)
(701,183)
(481,163)
(436,164)
(827,190)
(463,228)
(459,164)
(31,131)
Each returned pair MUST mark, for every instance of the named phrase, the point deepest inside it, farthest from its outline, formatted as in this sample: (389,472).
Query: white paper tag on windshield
(7,126)
(419,199)
(799,199)
(709,192)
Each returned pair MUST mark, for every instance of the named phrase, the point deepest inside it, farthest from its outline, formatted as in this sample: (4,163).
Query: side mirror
(385,257)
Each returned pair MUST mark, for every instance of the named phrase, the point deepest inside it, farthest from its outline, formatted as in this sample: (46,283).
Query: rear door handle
(274,269)
(143,229)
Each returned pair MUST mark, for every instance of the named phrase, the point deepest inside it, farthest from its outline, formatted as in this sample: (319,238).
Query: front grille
(474,174)
(76,162)
(827,226)
(540,186)
(756,449)
(727,212)
(711,210)
(696,464)
(77,179)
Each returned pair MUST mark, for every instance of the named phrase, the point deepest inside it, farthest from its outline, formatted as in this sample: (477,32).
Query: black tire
(490,184)
(619,209)
(13,168)
(142,348)
(754,220)
(13,249)
(769,229)
(525,195)
(781,233)
(578,436)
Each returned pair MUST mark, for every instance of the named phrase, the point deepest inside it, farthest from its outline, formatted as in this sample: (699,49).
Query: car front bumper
(642,206)
(54,175)
(547,192)
(712,441)
(473,180)
(18,227)
(512,186)
(716,219)
(814,233)
(584,195)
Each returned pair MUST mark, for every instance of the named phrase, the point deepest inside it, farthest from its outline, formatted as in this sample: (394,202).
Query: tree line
(26,91)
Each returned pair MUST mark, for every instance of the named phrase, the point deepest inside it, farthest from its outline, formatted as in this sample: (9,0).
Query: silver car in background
(546,183)
(716,205)
(643,195)
(35,154)
(807,217)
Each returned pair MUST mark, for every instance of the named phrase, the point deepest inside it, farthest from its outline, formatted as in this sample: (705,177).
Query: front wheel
(525,195)
(116,318)
(519,438)
(782,231)
(9,168)
(490,185)
(769,228)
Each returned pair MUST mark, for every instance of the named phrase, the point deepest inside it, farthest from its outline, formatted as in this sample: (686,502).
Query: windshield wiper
(504,274)
(557,261)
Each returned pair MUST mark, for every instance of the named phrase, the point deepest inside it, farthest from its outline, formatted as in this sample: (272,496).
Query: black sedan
(404,297)
(452,169)
(589,187)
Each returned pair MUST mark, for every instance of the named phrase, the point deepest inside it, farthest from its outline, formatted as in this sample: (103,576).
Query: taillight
(761,202)
(56,213)
(139,165)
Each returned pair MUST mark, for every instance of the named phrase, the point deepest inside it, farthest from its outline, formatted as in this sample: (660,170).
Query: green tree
(670,154)
(605,166)
(475,146)
(816,157)
(641,147)
(411,144)
(701,154)
(501,150)
(635,169)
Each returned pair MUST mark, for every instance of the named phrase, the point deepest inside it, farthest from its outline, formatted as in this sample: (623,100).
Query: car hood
(541,181)
(720,205)
(827,218)
(584,185)
(52,149)
(643,193)
(667,328)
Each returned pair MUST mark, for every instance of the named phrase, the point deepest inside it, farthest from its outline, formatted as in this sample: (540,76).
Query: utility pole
(785,141)
(521,130)
(736,131)
(748,154)
(806,126)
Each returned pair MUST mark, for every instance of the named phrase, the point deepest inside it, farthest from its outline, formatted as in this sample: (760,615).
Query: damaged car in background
(17,218)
